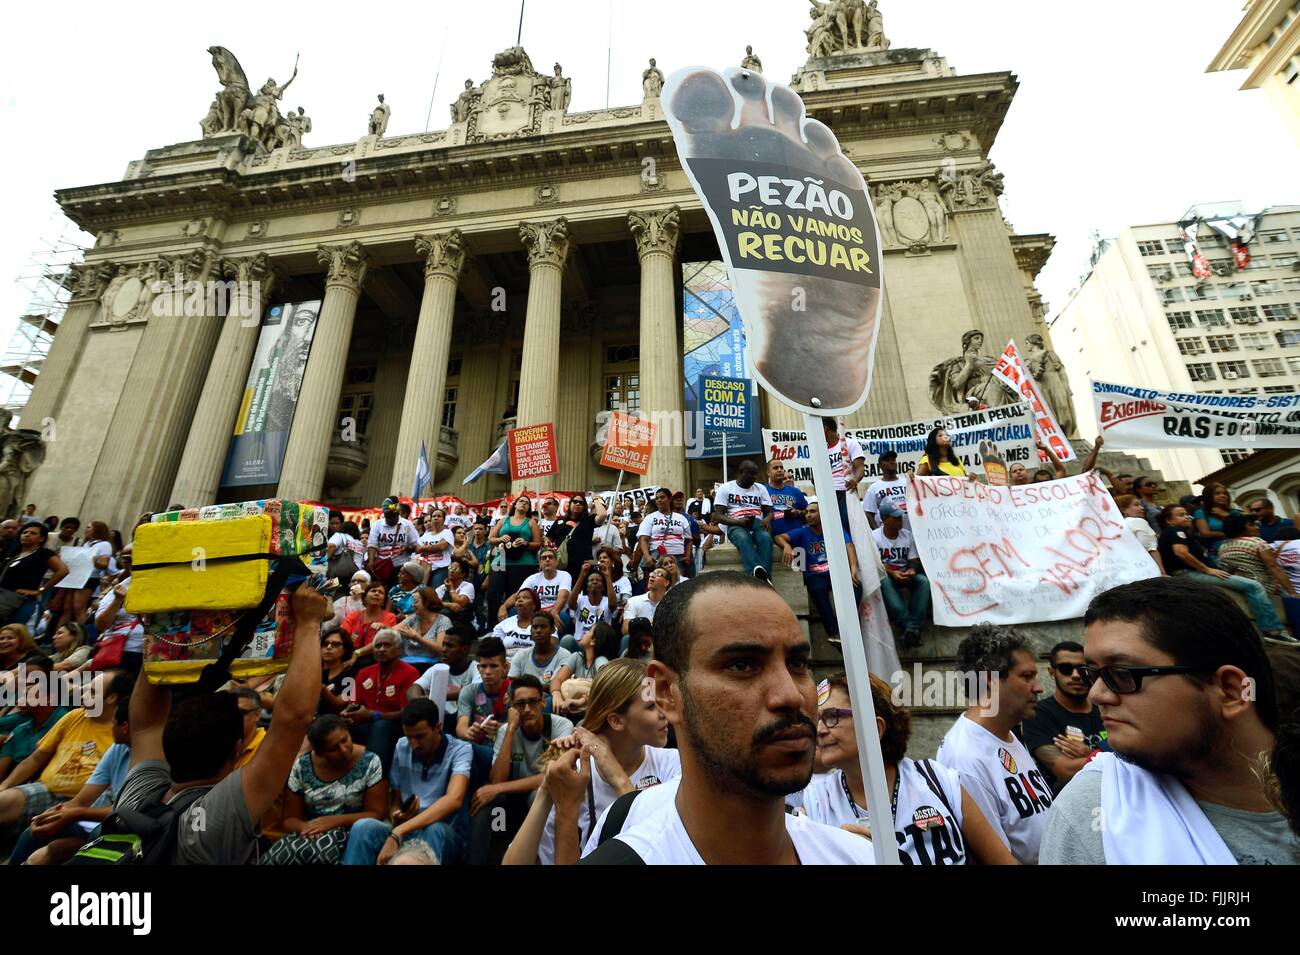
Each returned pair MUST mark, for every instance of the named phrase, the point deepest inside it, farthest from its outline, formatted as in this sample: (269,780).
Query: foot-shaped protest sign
(796,227)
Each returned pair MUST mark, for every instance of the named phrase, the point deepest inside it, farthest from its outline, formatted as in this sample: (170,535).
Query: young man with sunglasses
(1187,697)
(1067,728)
(993,765)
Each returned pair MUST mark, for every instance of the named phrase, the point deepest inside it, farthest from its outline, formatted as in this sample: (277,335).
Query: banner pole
(724,457)
(855,651)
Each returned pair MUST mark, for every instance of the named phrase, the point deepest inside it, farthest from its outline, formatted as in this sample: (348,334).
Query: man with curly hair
(1001,673)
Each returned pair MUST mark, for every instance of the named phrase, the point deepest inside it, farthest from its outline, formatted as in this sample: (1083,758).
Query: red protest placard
(628,444)
(533,452)
(1011,371)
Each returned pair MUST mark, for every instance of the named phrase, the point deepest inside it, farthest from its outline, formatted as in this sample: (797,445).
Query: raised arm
(264,777)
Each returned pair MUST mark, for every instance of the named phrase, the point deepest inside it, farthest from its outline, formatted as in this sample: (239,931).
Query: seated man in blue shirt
(810,544)
(428,785)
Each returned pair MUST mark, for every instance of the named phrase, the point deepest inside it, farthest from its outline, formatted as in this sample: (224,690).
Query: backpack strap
(218,672)
(932,780)
(614,852)
(617,816)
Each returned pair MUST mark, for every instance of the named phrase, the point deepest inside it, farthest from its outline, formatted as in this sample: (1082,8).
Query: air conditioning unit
(1220,271)
(1255,320)
(1166,277)
(1261,348)
(1230,375)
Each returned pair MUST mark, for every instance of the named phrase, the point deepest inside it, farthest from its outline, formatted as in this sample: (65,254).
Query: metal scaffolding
(60,247)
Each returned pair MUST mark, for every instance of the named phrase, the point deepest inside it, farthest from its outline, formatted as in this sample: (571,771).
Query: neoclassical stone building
(523,264)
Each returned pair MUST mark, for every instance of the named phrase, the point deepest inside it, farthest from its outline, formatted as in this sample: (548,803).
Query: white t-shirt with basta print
(394,541)
(548,589)
(443,558)
(927,819)
(742,502)
(842,456)
(1004,781)
(671,531)
(895,492)
(897,551)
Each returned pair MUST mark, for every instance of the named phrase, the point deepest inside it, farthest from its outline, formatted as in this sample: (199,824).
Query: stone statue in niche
(21,452)
(1048,371)
(955,382)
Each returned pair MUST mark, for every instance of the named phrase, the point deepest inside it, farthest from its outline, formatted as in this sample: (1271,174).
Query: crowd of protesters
(565,684)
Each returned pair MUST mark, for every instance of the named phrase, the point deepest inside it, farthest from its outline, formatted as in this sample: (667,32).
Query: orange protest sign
(628,444)
(533,452)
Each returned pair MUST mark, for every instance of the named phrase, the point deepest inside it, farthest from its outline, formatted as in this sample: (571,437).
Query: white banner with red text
(1143,418)
(1020,554)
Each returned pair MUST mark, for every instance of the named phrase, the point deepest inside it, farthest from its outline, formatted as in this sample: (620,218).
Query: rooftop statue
(237,109)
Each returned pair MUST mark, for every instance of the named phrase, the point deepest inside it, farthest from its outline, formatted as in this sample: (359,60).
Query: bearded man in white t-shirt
(731,674)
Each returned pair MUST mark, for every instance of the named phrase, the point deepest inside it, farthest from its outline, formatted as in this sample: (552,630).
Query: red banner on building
(628,444)
(533,452)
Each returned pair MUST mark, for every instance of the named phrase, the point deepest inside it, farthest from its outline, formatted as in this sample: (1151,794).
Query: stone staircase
(927,667)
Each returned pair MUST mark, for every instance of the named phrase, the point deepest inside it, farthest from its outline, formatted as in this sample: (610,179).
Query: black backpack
(146,835)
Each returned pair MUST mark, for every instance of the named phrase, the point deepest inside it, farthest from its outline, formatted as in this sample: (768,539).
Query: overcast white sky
(1115,123)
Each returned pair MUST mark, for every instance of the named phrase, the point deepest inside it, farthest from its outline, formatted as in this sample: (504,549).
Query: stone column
(444,257)
(88,283)
(198,477)
(539,385)
(303,474)
(656,236)
(984,243)
(137,464)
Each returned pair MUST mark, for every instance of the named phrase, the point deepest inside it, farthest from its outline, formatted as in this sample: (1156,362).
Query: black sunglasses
(1067,669)
(1121,679)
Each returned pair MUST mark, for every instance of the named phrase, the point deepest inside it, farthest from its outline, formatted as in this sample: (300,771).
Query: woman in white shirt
(590,606)
(936,820)
(623,735)
(344,550)
(1130,505)
(100,544)
(516,632)
(435,546)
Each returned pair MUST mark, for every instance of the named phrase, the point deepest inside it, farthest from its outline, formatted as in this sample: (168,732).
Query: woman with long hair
(98,540)
(936,821)
(521,536)
(598,647)
(21,584)
(939,457)
(1216,506)
(622,736)
(71,648)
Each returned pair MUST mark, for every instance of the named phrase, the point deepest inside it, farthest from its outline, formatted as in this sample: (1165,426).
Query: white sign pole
(724,457)
(855,651)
